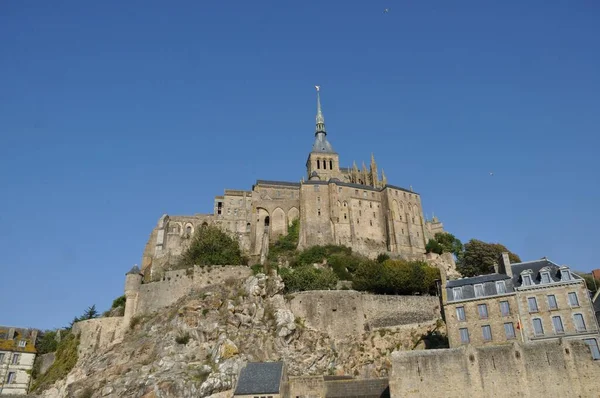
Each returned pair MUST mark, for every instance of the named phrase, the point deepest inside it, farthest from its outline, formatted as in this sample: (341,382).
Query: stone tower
(323,162)
(133,281)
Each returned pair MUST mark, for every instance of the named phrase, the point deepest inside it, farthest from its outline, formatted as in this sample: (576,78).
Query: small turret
(133,281)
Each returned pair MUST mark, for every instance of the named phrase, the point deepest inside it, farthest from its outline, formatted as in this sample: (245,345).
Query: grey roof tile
(260,378)
(476,279)
(535,267)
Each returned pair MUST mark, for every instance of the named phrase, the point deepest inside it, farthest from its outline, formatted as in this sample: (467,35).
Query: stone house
(528,301)
(338,205)
(261,380)
(17,354)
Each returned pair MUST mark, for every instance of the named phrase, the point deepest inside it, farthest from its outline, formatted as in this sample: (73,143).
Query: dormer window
(565,274)
(479,290)
(22,343)
(457,293)
(500,287)
(545,275)
(527,281)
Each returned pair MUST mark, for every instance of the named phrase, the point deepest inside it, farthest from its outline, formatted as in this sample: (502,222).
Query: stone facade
(334,386)
(528,301)
(335,205)
(17,354)
(556,368)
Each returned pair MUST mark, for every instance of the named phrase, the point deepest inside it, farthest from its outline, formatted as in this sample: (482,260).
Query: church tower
(323,162)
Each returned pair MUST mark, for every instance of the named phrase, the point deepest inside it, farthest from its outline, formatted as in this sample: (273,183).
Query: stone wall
(176,284)
(45,361)
(98,333)
(346,312)
(542,369)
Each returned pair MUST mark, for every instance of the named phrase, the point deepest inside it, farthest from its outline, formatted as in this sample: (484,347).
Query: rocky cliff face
(196,347)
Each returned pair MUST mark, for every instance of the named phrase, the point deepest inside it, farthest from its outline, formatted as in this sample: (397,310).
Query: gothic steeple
(321,144)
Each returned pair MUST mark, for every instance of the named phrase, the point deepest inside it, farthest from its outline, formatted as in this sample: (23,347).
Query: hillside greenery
(211,246)
(66,358)
(339,263)
(479,258)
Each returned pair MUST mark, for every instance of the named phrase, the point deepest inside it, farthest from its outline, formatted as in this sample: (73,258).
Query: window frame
(562,325)
(503,284)
(459,290)
(512,327)
(507,305)
(461,335)
(22,343)
(550,307)
(579,330)
(595,353)
(11,378)
(480,286)
(489,329)
(528,278)
(487,312)
(573,294)
(545,274)
(15,359)
(541,326)
(537,307)
(464,314)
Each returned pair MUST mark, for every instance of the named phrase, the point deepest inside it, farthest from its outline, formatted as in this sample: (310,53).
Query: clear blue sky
(113,113)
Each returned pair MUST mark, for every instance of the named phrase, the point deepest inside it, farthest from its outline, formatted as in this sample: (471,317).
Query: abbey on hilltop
(336,205)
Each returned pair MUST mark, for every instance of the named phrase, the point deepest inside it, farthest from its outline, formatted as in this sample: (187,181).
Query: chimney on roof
(504,265)
(33,336)
(11,334)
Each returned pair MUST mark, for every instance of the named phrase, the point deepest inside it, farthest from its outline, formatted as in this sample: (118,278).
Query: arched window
(324,165)
(331,165)
(248,227)
(318,164)
(267,221)
(188,229)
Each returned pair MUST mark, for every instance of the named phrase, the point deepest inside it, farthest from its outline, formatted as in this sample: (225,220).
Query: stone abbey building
(335,205)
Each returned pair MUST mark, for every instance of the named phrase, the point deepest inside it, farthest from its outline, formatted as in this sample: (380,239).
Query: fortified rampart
(543,369)
(98,333)
(346,312)
(177,284)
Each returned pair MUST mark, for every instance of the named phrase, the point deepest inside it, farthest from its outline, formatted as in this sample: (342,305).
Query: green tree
(308,278)
(119,302)
(211,246)
(396,277)
(46,342)
(591,284)
(444,242)
(479,258)
(90,313)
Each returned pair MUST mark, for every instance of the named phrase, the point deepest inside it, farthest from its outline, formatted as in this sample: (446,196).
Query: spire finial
(320,128)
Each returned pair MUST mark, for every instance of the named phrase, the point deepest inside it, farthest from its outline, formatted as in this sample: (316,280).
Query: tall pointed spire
(320,127)
(321,144)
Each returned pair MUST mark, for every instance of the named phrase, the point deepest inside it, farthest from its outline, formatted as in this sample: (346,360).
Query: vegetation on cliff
(444,242)
(211,246)
(479,258)
(66,358)
(383,276)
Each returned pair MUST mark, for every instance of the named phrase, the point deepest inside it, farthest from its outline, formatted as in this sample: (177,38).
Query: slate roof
(477,279)
(284,183)
(535,267)
(260,378)
(321,144)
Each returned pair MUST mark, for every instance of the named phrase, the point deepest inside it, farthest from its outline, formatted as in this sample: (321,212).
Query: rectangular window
(538,328)
(532,302)
(487,333)
(593,344)
(579,322)
(527,280)
(558,325)
(11,377)
(460,314)
(500,287)
(464,335)
(15,359)
(1,357)
(565,275)
(456,292)
(504,308)
(552,304)
(573,300)
(22,343)
(478,290)
(483,311)
(509,330)
(316,188)
(545,277)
